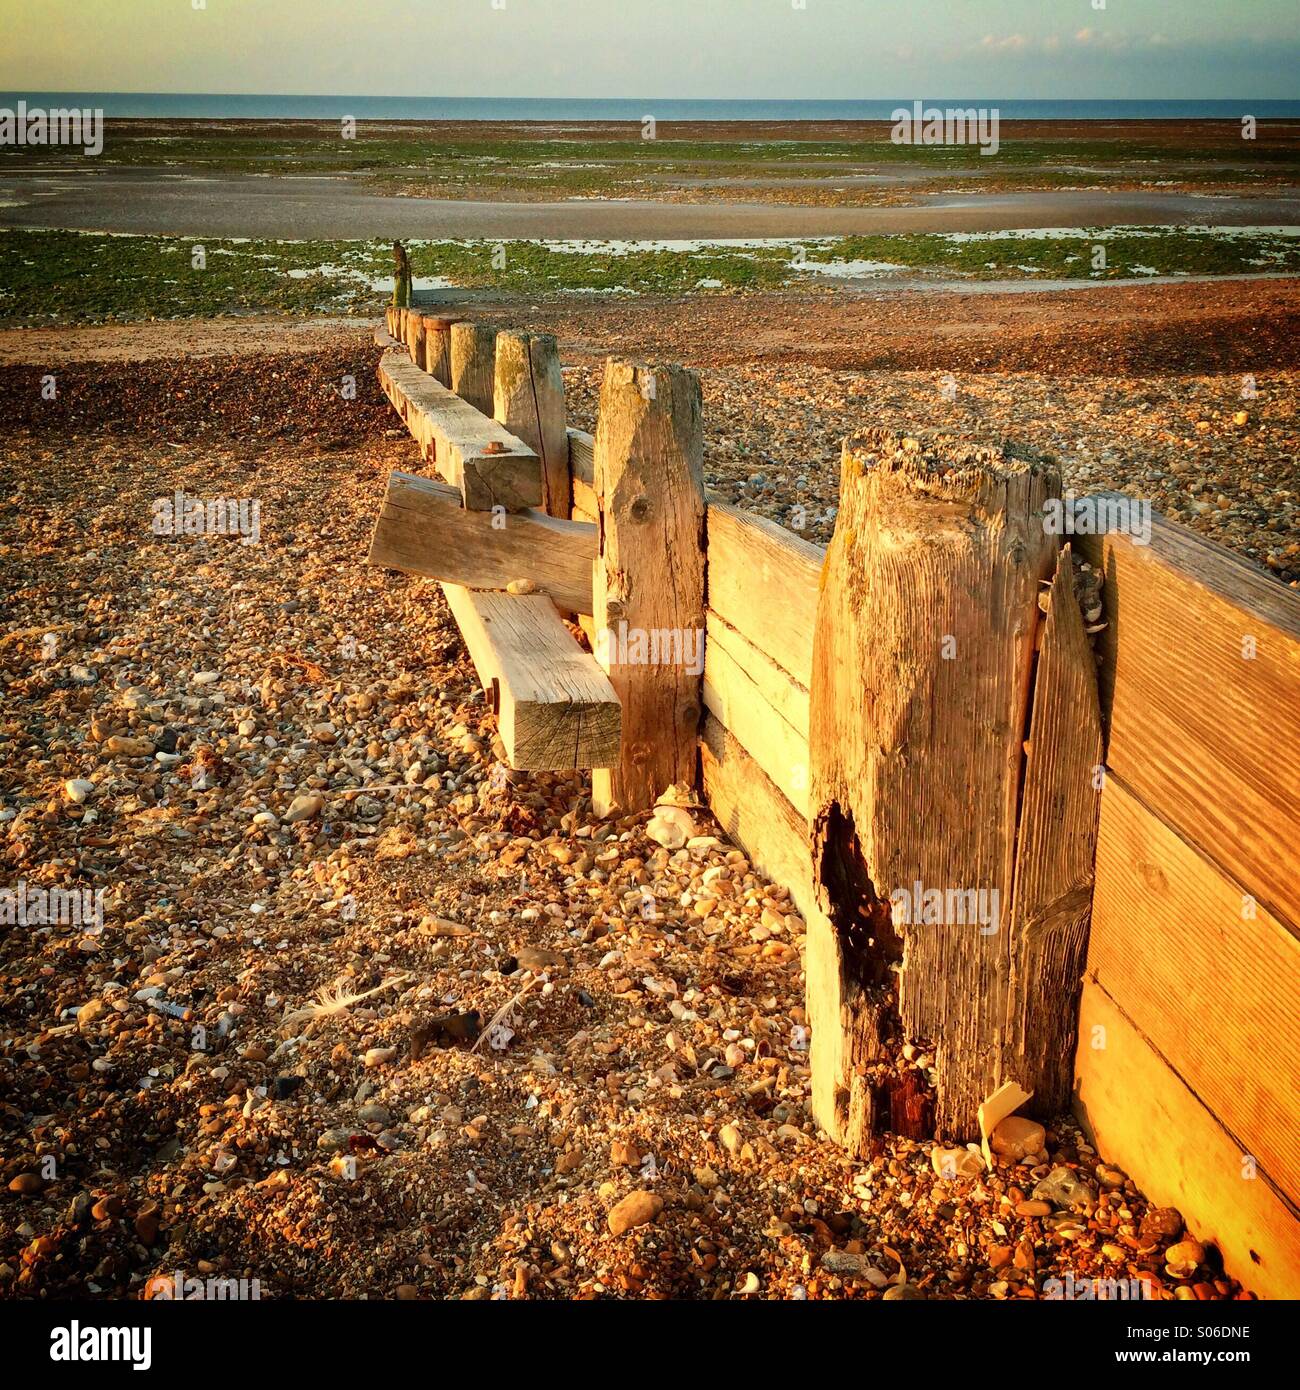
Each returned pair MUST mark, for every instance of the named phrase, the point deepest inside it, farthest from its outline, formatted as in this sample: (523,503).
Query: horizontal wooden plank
(755,814)
(1215,991)
(555,707)
(761,706)
(764,581)
(1147,1121)
(476,455)
(423,529)
(1201,682)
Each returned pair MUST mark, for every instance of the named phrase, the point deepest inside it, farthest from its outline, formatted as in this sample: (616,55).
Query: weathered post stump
(529,402)
(956,870)
(473,364)
(648,587)
(436,355)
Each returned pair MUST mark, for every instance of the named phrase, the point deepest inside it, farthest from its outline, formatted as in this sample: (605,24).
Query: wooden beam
(1212,979)
(1055,849)
(473,364)
(1200,684)
(423,529)
(488,465)
(920,692)
(1147,1121)
(649,575)
(761,706)
(529,402)
(764,580)
(556,709)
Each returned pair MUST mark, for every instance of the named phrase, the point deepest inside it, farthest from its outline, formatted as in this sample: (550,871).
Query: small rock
(541,962)
(1161,1223)
(27,1184)
(92,1012)
(305,807)
(636,1209)
(77,789)
(378,1056)
(1063,1187)
(1184,1259)
(1015,1137)
(1034,1208)
(903,1293)
(120,746)
(956,1162)
(624,1155)
(374,1114)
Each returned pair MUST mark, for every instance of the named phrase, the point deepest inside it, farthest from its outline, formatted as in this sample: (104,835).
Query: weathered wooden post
(415,335)
(529,402)
(954,755)
(473,364)
(648,590)
(436,358)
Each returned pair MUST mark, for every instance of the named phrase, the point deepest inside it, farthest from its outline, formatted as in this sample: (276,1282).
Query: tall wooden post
(436,359)
(957,913)
(648,590)
(415,335)
(529,402)
(473,364)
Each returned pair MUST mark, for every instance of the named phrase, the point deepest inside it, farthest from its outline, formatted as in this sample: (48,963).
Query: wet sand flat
(167,202)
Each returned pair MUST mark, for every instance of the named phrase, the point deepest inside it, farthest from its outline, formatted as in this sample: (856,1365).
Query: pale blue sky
(776,49)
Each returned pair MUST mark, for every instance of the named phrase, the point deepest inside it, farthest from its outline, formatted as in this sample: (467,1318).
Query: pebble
(1063,1187)
(903,1293)
(1016,1137)
(624,1155)
(120,746)
(636,1209)
(956,1162)
(306,807)
(378,1056)
(91,1012)
(77,789)
(1161,1224)
(539,961)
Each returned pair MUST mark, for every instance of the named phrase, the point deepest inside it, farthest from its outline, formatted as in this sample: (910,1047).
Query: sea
(237,106)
